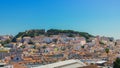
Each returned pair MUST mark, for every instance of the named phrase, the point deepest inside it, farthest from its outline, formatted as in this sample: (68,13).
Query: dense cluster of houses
(40,50)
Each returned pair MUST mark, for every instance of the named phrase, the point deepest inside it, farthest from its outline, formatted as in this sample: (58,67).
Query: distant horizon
(96,17)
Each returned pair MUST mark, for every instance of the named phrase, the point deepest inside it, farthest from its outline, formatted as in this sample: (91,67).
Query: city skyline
(97,17)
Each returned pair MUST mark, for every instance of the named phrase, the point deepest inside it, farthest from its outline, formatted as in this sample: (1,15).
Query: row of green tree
(70,33)
(38,32)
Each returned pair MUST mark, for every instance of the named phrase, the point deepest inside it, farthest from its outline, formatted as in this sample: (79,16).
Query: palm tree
(82,50)
(116,63)
(107,51)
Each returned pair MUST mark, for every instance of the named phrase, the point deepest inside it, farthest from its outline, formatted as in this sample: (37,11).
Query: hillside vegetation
(38,32)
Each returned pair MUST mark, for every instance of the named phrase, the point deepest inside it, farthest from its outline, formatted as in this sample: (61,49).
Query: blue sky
(98,17)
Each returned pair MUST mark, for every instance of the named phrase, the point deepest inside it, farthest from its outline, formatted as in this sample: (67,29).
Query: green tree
(44,47)
(115,43)
(70,35)
(116,64)
(30,42)
(5,42)
(23,46)
(2,42)
(101,43)
(34,47)
(107,52)
(83,47)
(14,40)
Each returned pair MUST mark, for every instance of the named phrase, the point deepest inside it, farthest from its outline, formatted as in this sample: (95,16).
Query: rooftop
(64,64)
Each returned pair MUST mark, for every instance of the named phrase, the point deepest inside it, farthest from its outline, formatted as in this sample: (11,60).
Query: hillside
(38,32)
